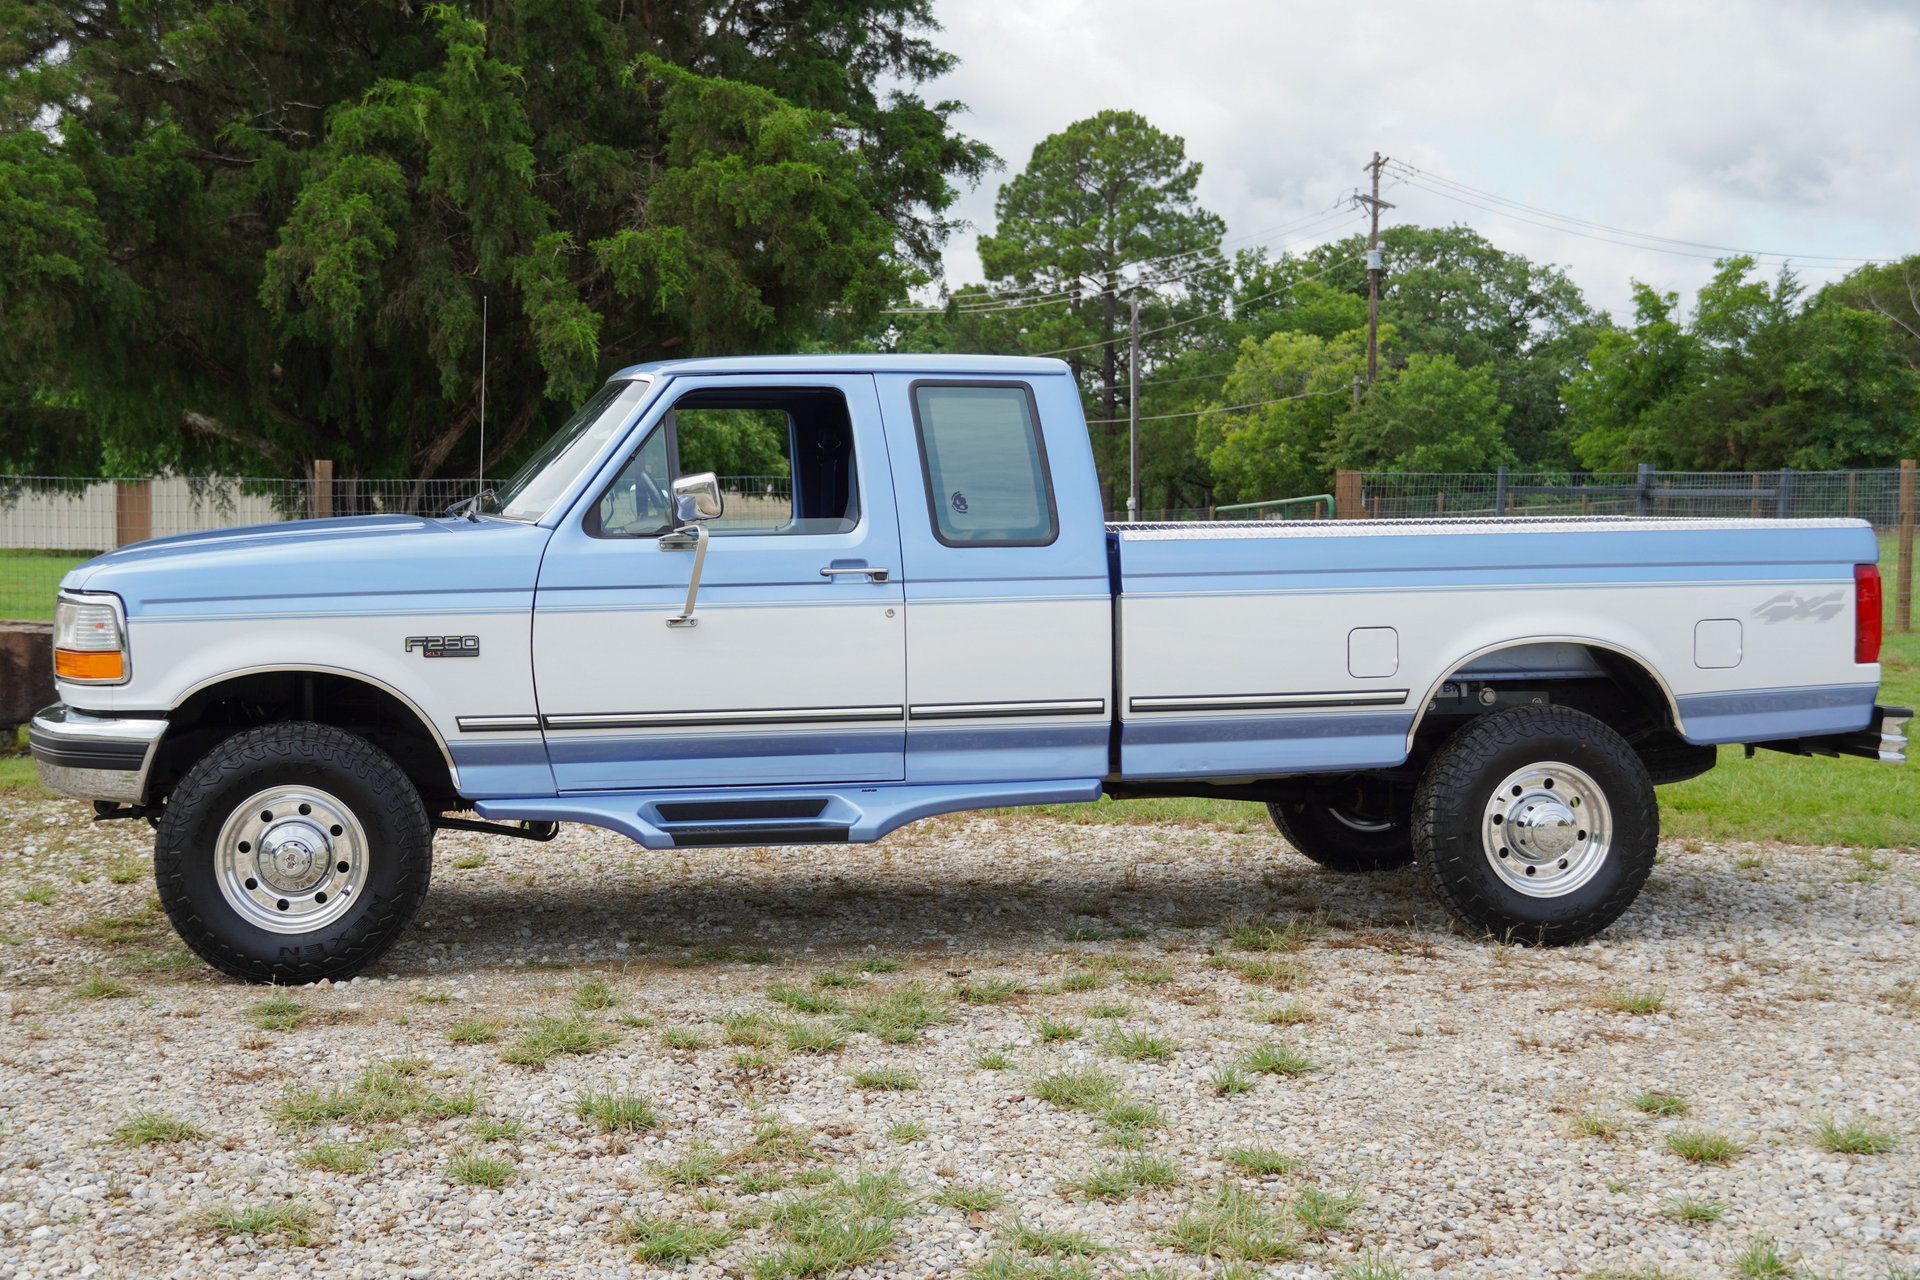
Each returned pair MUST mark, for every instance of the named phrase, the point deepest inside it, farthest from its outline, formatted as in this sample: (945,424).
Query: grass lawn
(30,579)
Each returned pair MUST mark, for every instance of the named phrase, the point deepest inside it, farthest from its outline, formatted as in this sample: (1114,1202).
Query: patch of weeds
(1263,1162)
(1013,1266)
(904,1131)
(1321,1214)
(815,1037)
(842,1225)
(592,996)
(551,1037)
(1268,971)
(1592,1124)
(342,1157)
(1052,1242)
(754,1059)
(638,1021)
(1662,1104)
(1688,1209)
(476,1170)
(291,1221)
(1051,1032)
(989,990)
(698,1166)
(1127,1121)
(1291,1014)
(1701,1146)
(682,1038)
(1228,1081)
(40,895)
(472,1031)
(994,1060)
(615,1112)
(122,931)
(1138,1046)
(470,862)
(1109,1010)
(897,1016)
(1370,1267)
(969,1198)
(496,1128)
(1083,980)
(437,997)
(753,1182)
(1234,1226)
(834,979)
(1762,1260)
(145,1128)
(1131,1176)
(800,1000)
(1274,1059)
(885,1079)
(1084,1090)
(99,987)
(879,964)
(126,870)
(1637,1002)
(777,1140)
(1265,935)
(1148,975)
(278,1012)
(1855,1138)
(667,1242)
(386,1092)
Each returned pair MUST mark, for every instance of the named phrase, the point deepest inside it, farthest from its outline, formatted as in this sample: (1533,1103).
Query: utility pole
(1133,408)
(1374,205)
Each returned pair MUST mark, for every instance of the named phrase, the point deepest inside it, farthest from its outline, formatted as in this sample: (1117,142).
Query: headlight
(89,642)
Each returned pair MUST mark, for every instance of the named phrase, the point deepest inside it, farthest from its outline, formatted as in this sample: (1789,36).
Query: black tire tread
(290,742)
(1320,844)
(1448,790)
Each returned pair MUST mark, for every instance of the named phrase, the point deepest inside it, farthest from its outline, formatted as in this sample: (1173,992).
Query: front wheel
(293,852)
(1536,824)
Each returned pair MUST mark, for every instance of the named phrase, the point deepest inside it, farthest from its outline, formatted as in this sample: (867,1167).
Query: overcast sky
(1765,124)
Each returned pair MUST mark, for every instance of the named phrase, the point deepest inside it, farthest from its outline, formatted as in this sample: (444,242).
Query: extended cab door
(1009,635)
(794,669)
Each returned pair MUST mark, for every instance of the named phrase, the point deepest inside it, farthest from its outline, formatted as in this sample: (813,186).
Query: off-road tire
(1451,804)
(1315,829)
(382,798)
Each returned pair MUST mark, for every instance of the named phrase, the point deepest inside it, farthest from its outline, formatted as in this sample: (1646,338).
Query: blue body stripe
(1765,715)
(983,753)
(1262,746)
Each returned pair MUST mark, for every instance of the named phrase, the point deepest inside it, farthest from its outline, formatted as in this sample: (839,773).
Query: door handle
(874,573)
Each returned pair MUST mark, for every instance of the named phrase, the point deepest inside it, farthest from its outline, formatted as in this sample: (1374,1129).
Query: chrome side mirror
(697,497)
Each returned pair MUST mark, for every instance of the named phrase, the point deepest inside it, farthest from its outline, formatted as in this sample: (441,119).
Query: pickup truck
(927,613)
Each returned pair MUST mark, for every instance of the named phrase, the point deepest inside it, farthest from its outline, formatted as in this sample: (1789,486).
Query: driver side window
(639,503)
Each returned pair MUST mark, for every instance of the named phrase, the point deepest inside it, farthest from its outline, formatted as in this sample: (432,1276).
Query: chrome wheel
(291,859)
(1546,829)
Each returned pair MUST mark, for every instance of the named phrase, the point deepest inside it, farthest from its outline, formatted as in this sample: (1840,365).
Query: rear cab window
(984,463)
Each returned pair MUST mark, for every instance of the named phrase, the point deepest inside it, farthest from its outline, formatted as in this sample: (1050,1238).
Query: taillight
(1866,613)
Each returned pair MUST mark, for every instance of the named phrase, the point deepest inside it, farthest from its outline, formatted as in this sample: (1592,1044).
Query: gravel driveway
(1083,1050)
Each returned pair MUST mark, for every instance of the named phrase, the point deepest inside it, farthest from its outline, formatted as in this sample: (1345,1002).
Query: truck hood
(371,562)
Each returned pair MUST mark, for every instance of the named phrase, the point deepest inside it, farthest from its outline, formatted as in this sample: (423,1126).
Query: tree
(255,236)
(1104,210)
(1430,415)
(1295,386)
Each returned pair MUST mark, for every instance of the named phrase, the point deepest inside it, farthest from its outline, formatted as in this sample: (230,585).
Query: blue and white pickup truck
(935,618)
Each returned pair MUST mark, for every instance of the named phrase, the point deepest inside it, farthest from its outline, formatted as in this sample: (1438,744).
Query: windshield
(536,486)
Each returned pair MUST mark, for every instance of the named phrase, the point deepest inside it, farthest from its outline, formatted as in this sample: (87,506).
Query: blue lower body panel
(1772,715)
(1261,746)
(776,815)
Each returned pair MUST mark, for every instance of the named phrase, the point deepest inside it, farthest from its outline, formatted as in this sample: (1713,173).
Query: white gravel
(1451,1072)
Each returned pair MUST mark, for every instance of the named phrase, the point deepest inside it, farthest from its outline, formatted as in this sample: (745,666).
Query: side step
(745,816)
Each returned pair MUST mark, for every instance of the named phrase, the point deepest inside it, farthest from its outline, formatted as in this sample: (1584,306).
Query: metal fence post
(1500,491)
(1644,506)
(1903,575)
(1783,493)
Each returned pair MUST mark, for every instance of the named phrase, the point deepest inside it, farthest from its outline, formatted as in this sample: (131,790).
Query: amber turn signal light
(79,664)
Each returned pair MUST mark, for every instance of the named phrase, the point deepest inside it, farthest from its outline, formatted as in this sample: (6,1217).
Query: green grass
(470,862)
(800,1000)
(472,1031)
(969,1198)
(839,1226)
(102,988)
(1228,1081)
(614,1112)
(30,580)
(1855,1138)
(1700,1146)
(806,1036)
(475,1170)
(666,1242)
(592,996)
(1593,1124)
(1236,1226)
(994,1060)
(1321,1214)
(1276,1059)
(1138,1046)
(278,1012)
(904,1131)
(1662,1104)
(682,1038)
(990,990)
(1085,1090)
(288,1220)
(1129,1177)
(1261,1161)
(1051,1031)
(145,1128)
(1637,1002)
(343,1157)
(1053,1242)
(697,1166)
(885,1079)
(897,1016)
(1762,1260)
(550,1037)
(1688,1209)
(496,1128)
(386,1093)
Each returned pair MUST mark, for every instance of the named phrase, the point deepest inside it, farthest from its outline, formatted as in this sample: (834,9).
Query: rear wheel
(1536,824)
(1366,826)
(293,852)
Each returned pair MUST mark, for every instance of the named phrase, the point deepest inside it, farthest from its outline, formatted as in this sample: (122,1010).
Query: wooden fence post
(322,488)
(1348,503)
(1903,575)
(132,511)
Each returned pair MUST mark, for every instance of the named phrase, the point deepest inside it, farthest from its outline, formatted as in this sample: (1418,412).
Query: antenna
(480,470)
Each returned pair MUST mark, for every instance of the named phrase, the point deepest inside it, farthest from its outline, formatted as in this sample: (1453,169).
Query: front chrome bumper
(93,757)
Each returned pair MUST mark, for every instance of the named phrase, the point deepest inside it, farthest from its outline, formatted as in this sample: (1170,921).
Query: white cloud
(1767,124)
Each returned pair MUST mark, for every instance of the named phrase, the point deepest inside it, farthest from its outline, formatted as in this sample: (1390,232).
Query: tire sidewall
(354,772)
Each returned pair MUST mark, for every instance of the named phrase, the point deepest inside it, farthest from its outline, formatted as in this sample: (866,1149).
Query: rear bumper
(1884,739)
(94,757)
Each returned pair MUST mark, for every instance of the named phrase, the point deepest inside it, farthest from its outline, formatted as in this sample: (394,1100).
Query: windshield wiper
(472,506)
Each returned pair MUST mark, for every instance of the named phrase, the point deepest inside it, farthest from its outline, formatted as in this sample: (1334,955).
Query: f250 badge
(445,646)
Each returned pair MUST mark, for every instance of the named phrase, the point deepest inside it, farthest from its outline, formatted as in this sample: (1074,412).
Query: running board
(743,816)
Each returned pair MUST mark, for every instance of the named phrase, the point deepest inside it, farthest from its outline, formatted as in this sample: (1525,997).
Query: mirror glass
(697,497)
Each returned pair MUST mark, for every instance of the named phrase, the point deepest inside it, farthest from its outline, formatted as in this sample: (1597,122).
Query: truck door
(793,669)
(1009,637)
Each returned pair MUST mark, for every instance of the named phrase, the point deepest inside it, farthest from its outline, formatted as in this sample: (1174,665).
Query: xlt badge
(445,646)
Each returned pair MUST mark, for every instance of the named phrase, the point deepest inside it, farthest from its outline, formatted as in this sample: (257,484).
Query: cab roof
(944,366)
